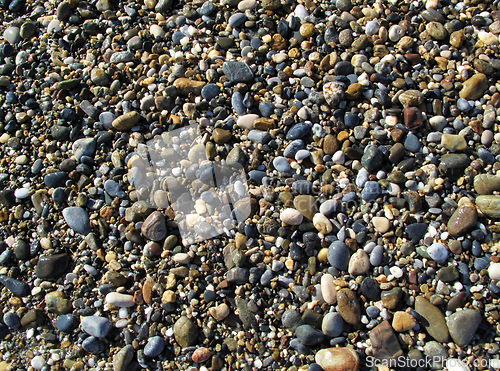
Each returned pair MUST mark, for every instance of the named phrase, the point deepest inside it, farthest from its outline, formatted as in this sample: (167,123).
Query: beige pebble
(322,224)
(291,216)
(403,321)
(328,289)
(219,312)
(381,224)
(359,263)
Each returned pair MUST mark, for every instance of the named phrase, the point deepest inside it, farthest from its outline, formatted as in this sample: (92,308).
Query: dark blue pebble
(293,147)
(257,175)
(486,155)
(210,91)
(351,119)
(299,130)
(92,345)
(481,263)
(266,109)
(11,319)
(371,191)
(56,179)
(207,8)
(66,323)
(176,37)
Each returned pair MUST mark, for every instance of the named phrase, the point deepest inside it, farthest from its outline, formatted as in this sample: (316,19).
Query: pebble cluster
(369,132)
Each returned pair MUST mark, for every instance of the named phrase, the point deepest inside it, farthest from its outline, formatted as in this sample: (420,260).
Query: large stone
(486,184)
(52,265)
(463,219)
(474,87)
(185,332)
(348,306)
(126,121)
(453,142)
(385,344)
(122,359)
(489,205)
(154,227)
(463,326)
(432,319)
(185,86)
(359,263)
(337,359)
(77,218)
(403,321)
(237,71)
(306,205)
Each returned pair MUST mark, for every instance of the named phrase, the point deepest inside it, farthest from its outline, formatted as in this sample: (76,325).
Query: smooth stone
(372,158)
(84,147)
(328,207)
(453,142)
(122,359)
(22,193)
(119,300)
(96,326)
(489,205)
(384,342)
(154,346)
(348,306)
(298,131)
(185,332)
(57,302)
(494,271)
(486,184)
(281,164)
(66,323)
(237,71)
(306,204)
(154,227)
(474,87)
(438,252)
(210,91)
(16,287)
(403,321)
(322,224)
(463,325)
(221,136)
(308,335)
(99,77)
(12,320)
(259,136)
(463,219)
(237,19)
(411,98)
(291,319)
(432,319)
(186,86)
(412,143)
(337,359)
(246,121)
(436,30)
(338,255)
(454,161)
(291,217)
(12,35)
(52,265)
(371,191)
(121,57)
(126,121)
(332,324)
(92,345)
(53,180)
(381,223)
(77,219)
(293,147)
(359,263)
(328,289)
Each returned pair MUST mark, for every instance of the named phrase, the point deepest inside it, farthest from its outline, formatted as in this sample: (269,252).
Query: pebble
(463,325)
(332,324)
(308,335)
(154,227)
(122,359)
(154,346)
(348,306)
(337,359)
(77,219)
(338,255)
(291,217)
(463,219)
(96,326)
(359,263)
(403,321)
(438,252)
(120,300)
(328,289)
(432,319)
(494,271)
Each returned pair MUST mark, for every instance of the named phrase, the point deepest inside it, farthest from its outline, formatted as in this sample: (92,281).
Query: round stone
(438,252)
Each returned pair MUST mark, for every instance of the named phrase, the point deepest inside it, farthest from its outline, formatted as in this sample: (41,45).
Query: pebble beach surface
(369,133)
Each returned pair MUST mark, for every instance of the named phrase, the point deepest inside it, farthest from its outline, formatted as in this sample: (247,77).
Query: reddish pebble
(201,355)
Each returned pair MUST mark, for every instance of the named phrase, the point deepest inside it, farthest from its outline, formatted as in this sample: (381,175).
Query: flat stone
(332,324)
(337,359)
(52,265)
(18,288)
(403,321)
(438,252)
(392,297)
(322,224)
(348,306)
(432,319)
(221,136)
(186,86)
(474,87)
(96,326)
(185,332)
(119,300)
(412,117)
(453,142)
(385,344)
(84,147)
(463,325)
(306,204)
(489,205)
(448,274)
(454,161)
(486,184)
(381,223)
(122,359)
(237,71)
(154,227)
(308,335)
(154,346)
(66,323)
(57,302)
(77,219)
(126,121)
(463,219)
